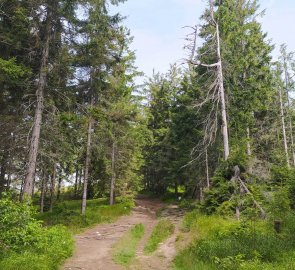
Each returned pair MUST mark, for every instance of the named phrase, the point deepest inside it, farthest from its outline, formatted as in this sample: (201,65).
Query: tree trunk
(8,181)
(113,180)
(284,128)
(249,151)
(222,97)
(221,87)
(207,170)
(35,138)
(76,183)
(59,187)
(52,187)
(80,180)
(176,189)
(87,163)
(2,177)
(289,108)
(43,192)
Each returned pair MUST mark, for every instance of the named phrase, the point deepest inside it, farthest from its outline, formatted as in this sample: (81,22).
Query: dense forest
(79,139)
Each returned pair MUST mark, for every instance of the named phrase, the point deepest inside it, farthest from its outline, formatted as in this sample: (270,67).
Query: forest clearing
(104,167)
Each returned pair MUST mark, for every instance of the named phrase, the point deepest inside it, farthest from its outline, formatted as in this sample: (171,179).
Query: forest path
(162,258)
(94,247)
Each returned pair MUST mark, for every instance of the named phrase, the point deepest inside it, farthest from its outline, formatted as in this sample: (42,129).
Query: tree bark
(113,180)
(2,176)
(35,138)
(43,192)
(80,180)
(284,128)
(58,187)
(207,170)
(87,164)
(221,87)
(289,109)
(76,183)
(52,187)
(249,151)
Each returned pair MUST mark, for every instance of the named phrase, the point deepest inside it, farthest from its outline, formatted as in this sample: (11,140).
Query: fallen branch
(237,177)
(263,213)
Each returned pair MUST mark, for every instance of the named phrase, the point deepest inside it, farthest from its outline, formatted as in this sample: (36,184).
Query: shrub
(237,245)
(25,244)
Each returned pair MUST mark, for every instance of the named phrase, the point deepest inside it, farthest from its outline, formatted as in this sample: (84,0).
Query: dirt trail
(93,247)
(162,258)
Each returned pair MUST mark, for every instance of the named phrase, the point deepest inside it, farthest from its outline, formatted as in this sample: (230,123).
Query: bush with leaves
(22,238)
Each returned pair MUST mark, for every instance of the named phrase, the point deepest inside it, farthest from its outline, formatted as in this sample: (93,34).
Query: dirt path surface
(93,247)
(162,258)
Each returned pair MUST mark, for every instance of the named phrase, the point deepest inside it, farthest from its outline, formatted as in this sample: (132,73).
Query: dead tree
(240,189)
(284,127)
(216,93)
(285,58)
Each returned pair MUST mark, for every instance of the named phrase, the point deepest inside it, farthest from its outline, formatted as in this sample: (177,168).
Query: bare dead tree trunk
(241,188)
(207,169)
(87,163)
(249,151)
(284,127)
(113,180)
(52,187)
(291,137)
(35,137)
(8,181)
(221,86)
(289,109)
(222,98)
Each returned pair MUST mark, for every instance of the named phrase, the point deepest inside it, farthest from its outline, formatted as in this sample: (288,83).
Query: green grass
(55,245)
(160,233)
(228,244)
(98,211)
(124,251)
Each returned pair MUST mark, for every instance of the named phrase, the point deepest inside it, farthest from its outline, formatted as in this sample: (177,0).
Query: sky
(159,33)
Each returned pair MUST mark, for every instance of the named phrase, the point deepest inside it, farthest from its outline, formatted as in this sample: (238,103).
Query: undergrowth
(67,213)
(124,251)
(25,244)
(231,245)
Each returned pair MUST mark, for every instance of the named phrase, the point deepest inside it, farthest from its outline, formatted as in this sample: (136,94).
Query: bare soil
(94,247)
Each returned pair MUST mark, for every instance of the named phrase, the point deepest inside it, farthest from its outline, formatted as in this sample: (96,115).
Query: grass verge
(161,232)
(228,244)
(67,213)
(124,251)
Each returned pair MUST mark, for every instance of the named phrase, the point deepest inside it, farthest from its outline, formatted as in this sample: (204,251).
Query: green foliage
(10,69)
(124,250)
(67,213)
(282,175)
(161,232)
(26,244)
(220,191)
(228,244)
